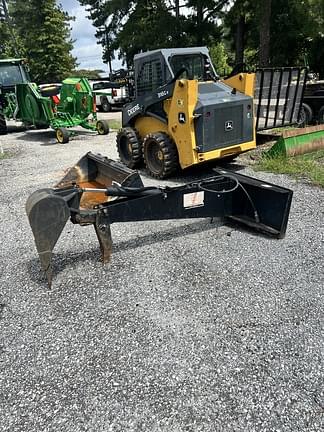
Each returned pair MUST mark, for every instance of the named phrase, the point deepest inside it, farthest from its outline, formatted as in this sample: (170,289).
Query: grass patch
(114,124)
(4,155)
(309,166)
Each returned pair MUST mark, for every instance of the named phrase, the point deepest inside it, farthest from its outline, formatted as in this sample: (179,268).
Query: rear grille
(211,132)
(234,116)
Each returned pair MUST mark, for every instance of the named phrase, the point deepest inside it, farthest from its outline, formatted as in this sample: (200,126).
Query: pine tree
(44,29)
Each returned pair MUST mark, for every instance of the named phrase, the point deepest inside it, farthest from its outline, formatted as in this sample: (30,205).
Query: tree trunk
(264,47)
(200,17)
(177,8)
(239,42)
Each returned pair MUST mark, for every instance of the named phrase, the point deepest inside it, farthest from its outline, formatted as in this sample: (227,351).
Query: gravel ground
(191,327)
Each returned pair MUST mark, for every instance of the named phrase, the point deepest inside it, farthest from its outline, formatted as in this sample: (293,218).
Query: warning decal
(195,199)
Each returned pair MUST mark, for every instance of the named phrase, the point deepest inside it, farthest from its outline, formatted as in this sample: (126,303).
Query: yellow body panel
(146,125)
(226,151)
(243,82)
(184,100)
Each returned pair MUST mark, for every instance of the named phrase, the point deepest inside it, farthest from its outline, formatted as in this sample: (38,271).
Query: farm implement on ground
(60,107)
(99,191)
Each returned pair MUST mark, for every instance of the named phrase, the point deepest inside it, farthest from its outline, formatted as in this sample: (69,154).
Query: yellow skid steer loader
(182,114)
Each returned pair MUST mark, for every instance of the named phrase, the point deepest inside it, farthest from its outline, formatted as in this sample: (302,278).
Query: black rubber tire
(105,105)
(102,127)
(129,147)
(62,135)
(50,91)
(321,115)
(305,115)
(3,125)
(160,155)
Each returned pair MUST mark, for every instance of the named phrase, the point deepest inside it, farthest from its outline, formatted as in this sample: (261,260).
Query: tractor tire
(102,127)
(3,126)
(305,116)
(160,155)
(50,91)
(129,147)
(105,105)
(62,135)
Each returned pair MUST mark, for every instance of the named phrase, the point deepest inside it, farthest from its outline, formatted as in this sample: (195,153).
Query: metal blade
(47,214)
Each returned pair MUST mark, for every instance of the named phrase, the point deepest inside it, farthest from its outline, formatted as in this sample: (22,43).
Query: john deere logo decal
(229,125)
(182,117)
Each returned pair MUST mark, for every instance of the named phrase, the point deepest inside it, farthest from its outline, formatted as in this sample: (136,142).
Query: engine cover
(223,117)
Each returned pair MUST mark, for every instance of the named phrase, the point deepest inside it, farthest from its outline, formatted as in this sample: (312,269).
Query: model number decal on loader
(195,199)
(163,93)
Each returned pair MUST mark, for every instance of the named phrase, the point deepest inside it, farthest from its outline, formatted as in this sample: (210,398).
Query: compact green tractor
(60,106)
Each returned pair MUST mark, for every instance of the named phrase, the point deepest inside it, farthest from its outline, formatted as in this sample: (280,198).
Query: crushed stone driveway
(193,326)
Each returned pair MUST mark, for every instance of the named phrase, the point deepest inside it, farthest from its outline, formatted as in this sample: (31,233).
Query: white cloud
(86,49)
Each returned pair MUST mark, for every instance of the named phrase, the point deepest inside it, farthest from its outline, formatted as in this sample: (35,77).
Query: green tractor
(60,106)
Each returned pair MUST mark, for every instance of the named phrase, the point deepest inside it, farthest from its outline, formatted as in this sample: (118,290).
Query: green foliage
(132,26)
(115,124)
(296,30)
(219,58)
(86,73)
(4,154)
(6,48)
(42,33)
(147,28)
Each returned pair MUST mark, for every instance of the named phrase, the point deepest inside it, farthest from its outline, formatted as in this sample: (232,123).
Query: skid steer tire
(160,155)
(129,147)
(3,126)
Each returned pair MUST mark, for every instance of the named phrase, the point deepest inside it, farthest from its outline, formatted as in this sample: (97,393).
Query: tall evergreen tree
(138,25)
(132,26)
(43,29)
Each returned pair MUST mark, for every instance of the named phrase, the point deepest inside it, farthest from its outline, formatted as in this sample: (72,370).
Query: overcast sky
(86,49)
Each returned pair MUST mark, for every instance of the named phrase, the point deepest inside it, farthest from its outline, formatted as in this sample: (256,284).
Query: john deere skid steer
(183,115)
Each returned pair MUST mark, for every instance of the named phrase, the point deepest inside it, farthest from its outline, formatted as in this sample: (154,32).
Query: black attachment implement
(94,198)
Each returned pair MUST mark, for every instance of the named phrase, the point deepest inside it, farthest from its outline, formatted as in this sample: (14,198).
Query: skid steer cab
(182,114)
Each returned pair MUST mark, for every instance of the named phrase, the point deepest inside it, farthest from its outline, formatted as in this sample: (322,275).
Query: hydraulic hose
(237,185)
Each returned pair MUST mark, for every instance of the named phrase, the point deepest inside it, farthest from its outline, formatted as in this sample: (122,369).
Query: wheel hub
(160,155)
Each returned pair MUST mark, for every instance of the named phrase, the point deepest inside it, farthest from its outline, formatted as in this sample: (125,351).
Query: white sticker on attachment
(195,199)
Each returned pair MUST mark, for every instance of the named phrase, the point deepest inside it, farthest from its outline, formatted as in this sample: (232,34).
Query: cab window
(196,65)
(10,75)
